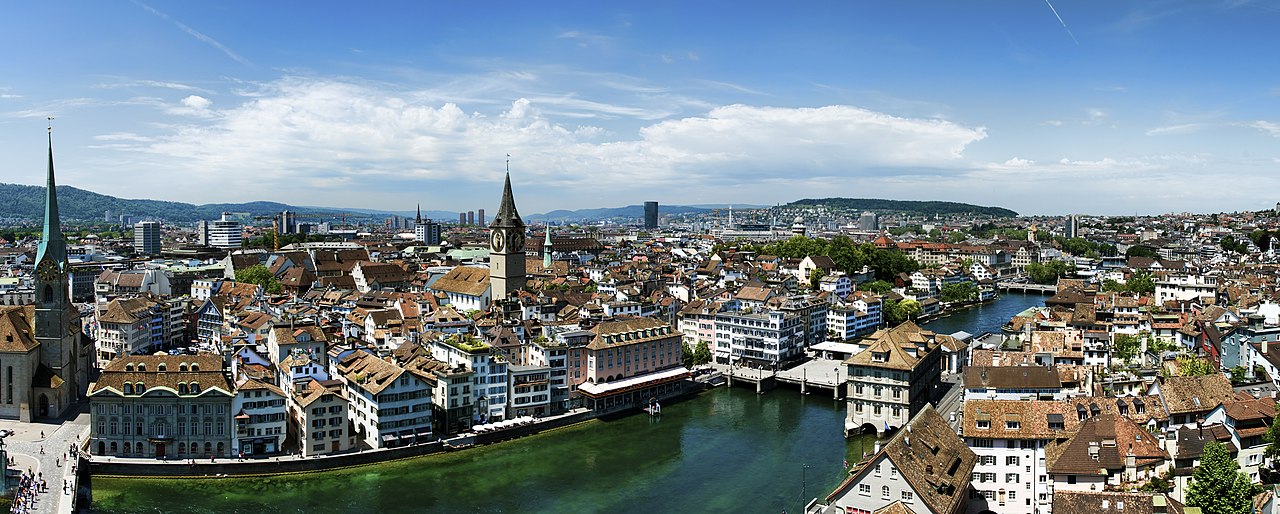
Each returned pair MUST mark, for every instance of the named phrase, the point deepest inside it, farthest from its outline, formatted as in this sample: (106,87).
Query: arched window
(138,449)
(142,366)
(182,366)
(182,449)
(141,387)
(128,448)
(114,449)
(102,448)
(221,450)
(48,293)
(160,367)
(208,448)
(195,388)
(128,388)
(195,367)
(182,388)
(128,367)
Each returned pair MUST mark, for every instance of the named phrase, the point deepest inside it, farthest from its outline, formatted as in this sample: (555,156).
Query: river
(726,450)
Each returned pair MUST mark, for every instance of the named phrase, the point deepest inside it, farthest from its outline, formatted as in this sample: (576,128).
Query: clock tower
(506,248)
(61,376)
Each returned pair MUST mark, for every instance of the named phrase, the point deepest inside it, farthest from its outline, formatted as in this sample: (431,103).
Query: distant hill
(911,206)
(630,211)
(27,202)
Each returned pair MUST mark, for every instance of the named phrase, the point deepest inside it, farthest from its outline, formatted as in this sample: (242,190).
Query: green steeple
(52,244)
(546,249)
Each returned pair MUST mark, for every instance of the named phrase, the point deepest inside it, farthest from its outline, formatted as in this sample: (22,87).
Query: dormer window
(195,388)
(182,388)
(195,367)
(182,367)
(141,387)
(1012,425)
(142,366)
(128,388)
(161,366)
(128,367)
(984,424)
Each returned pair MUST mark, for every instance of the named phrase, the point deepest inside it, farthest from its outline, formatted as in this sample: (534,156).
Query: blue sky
(1116,108)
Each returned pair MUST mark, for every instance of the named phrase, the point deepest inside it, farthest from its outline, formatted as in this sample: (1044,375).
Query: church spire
(507,215)
(52,244)
(418,220)
(546,249)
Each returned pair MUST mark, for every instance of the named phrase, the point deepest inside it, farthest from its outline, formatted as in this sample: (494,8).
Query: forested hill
(27,202)
(910,206)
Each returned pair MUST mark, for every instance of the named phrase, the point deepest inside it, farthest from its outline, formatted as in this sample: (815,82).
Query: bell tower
(57,322)
(506,248)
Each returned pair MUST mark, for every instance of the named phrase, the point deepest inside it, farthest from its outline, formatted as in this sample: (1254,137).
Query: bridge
(1027,287)
(822,374)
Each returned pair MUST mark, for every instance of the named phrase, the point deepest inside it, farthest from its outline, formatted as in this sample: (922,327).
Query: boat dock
(821,374)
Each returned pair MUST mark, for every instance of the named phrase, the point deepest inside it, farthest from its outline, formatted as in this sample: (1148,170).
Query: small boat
(653,408)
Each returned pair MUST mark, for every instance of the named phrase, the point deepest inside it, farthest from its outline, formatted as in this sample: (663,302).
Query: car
(953,416)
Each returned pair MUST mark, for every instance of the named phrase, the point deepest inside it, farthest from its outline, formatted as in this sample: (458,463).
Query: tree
(1141,283)
(815,277)
(898,311)
(686,355)
(1272,436)
(876,286)
(259,275)
(1046,272)
(1218,486)
(1140,251)
(701,354)
(959,292)
(1157,484)
(1189,366)
(1126,347)
(956,237)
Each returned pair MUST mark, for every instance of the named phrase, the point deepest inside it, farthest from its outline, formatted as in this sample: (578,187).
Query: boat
(653,408)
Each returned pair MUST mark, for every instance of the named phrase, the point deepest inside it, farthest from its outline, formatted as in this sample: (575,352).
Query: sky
(1094,107)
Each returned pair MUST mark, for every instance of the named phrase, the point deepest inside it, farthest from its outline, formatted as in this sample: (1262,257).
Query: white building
(489,385)
(530,388)
(259,413)
(320,412)
(1186,287)
(225,233)
(146,237)
(389,405)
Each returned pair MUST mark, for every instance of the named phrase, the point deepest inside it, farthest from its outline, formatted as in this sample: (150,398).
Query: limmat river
(726,450)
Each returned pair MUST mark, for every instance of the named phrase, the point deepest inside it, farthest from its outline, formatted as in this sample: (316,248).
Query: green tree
(956,237)
(959,292)
(1218,486)
(686,355)
(1046,272)
(1189,366)
(1141,283)
(876,286)
(1272,436)
(1126,347)
(1157,484)
(702,354)
(1140,251)
(259,275)
(898,311)
(815,277)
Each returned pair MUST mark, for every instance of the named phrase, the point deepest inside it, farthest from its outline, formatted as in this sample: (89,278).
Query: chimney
(1264,346)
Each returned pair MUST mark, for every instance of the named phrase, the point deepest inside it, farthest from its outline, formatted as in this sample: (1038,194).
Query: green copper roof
(52,244)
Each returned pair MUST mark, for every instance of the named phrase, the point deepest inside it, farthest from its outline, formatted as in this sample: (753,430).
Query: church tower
(506,248)
(62,374)
(546,249)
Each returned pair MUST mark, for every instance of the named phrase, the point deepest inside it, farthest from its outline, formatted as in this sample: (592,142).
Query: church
(44,353)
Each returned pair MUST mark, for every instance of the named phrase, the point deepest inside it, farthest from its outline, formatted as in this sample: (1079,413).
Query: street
(42,449)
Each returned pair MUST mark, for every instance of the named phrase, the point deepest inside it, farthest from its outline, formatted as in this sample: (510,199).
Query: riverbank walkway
(45,448)
(296,463)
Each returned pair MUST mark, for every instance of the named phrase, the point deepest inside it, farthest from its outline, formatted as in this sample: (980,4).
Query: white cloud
(1272,129)
(1172,130)
(1018,162)
(1052,123)
(299,134)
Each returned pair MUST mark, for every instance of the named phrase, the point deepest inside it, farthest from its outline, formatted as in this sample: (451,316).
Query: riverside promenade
(44,448)
(294,463)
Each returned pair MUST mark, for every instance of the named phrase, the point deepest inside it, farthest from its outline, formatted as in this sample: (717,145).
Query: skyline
(1037,107)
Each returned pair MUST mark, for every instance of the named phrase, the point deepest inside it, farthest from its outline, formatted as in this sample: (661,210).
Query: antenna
(50,118)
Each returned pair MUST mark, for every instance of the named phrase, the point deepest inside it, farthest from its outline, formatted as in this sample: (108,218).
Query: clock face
(495,242)
(517,242)
(47,271)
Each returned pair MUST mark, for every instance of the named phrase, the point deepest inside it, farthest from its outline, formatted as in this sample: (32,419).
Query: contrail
(196,34)
(1064,24)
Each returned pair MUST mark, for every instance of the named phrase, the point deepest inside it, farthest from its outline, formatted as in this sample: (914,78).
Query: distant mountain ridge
(630,211)
(913,206)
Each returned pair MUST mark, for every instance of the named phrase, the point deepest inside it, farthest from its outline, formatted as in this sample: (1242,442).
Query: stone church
(44,353)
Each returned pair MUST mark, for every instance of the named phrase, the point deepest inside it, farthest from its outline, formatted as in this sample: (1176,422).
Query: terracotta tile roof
(1252,409)
(893,345)
(897,507)
(1114,502)
(1111,438)
(17,325)
(286,335)
(931,457)
(463,280)
(368,372)
(133,369)
(1184,395)
(1037,377)
(1191,440)
(1035,416)
(629,332)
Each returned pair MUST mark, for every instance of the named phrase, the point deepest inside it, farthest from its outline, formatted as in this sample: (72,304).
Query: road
(951,400)
(41,448)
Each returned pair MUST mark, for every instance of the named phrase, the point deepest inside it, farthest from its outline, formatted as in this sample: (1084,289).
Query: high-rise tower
(506,248)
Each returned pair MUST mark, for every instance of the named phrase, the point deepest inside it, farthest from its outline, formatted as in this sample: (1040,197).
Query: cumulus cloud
(1272,129)
(301,133)
(1171,130)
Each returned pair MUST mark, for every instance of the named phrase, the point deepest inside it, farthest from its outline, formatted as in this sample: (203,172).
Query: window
(1012,425)
(893,472)
(884,492)
(987,460)
(984,424)
(877,470)
(1071,479)
(1011,478)
(1011,460)
(863,489)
